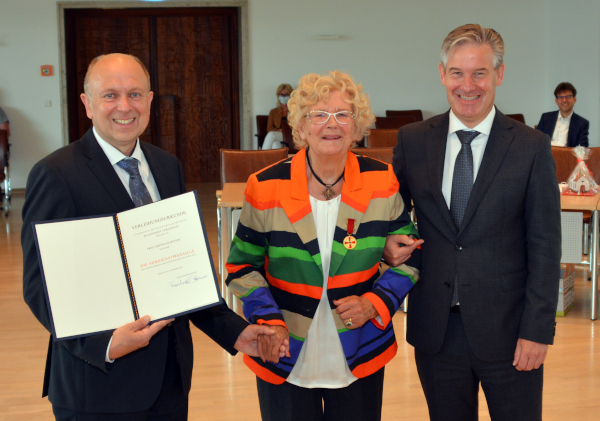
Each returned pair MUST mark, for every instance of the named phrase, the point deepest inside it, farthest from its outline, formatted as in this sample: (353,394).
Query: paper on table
(100,298)
(169,263)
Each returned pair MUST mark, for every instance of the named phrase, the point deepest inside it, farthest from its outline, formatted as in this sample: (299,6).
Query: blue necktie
(139,191)
(462,184)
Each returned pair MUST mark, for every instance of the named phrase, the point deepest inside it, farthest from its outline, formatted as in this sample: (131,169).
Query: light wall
(390,46)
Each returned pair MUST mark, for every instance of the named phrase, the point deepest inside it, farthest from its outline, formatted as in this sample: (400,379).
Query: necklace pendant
(328,192)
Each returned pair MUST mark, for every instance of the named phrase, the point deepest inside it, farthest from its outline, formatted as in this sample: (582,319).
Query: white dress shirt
(321,362)
(114,155)
(561,130)
(453,146)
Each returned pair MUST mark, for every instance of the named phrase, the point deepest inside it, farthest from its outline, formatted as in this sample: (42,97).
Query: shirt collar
(113,154)
(485,127)
(565,119)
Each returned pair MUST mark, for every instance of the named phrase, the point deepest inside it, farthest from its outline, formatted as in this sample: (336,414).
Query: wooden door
(192,56)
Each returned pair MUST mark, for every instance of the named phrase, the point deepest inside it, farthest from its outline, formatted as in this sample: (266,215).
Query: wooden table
(232,197)
(589,203)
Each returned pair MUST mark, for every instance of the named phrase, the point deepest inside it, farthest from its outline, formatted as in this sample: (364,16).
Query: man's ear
(88,104)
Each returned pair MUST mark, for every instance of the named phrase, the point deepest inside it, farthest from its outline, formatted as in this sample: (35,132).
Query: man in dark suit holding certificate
(488,208)
(139,371)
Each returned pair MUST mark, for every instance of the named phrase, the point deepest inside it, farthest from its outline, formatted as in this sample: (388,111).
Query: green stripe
(407,230)
(275,252)
(250,291)
(401,272)
(298,338)
(296,272)
(248,247)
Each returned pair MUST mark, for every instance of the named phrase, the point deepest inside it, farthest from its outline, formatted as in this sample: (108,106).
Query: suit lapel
(157,172)
(436,140)
(100,166)
(297,207)
(497,146)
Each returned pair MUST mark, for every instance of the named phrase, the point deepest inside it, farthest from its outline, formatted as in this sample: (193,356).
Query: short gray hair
(474,33)
(86,81)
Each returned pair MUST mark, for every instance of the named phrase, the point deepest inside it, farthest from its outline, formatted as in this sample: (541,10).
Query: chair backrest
(3,152)
(288,138)
(383,138)
(393,122)
(565,162)
(417,114)
(383,154)
(261,128)
(237,165)
(518,117)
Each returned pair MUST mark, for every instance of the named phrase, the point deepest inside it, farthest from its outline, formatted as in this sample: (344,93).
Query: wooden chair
(383,138)
(288,138)
(383,154)
(4,171)
(518,117)
(565,163)
(238,165)
(261,129)
(393,122)
(417,114)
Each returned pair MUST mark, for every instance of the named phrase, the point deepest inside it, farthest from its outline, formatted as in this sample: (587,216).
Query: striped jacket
(275,268)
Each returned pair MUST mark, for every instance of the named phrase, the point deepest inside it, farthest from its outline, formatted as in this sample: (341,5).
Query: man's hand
(529,355)
(394,253)
(355,309)
(267,342)
(133,336)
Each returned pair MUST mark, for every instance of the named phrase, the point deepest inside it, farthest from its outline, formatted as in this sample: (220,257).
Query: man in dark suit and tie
(487,205)
(564,127)
(140,371)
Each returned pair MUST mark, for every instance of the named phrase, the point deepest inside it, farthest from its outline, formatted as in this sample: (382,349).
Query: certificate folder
(103,272)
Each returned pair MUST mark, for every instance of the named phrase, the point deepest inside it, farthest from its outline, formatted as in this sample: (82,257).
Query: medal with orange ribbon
(350,241)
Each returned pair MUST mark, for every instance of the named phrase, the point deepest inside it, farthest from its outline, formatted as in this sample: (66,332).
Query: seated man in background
(564,126)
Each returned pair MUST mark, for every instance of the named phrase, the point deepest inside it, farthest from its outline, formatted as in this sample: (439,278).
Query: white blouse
(322,363)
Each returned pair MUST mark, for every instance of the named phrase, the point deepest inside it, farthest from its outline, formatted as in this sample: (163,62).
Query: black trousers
(361,401)
(451,378)
(171,404)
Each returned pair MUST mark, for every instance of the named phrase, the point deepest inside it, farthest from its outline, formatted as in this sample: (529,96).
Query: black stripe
(248,235)
(280,171)
(357,289)
(300,304)
(373,353)
(291,239)
(387,300)
(367,164)
(243,272)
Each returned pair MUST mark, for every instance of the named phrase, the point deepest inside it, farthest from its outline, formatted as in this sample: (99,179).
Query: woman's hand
(355,311)
(273,347)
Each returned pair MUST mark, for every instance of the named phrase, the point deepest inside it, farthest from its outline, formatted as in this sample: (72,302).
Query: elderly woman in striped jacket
(306,257)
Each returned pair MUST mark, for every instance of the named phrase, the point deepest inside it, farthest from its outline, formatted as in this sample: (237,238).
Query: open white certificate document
(101,273)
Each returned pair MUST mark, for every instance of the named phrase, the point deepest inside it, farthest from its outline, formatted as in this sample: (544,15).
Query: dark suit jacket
(578,128)
(77,181)
(506,254)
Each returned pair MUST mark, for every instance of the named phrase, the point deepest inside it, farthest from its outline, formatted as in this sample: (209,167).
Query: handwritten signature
(187,281)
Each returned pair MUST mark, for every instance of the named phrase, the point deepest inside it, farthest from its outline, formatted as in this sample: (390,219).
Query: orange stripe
(295,217)
(381,308)
(262,372)
(383,194)
(274,322)
(263,205)
(340,281)
(298,289)
(354,204)
(376,363)
(231,268)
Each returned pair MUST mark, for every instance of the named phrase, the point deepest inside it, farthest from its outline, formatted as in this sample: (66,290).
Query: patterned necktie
(462,184)
(462,181)
(139,191)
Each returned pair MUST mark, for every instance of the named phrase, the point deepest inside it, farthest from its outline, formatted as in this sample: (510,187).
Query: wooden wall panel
(192,56)
(195,65)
